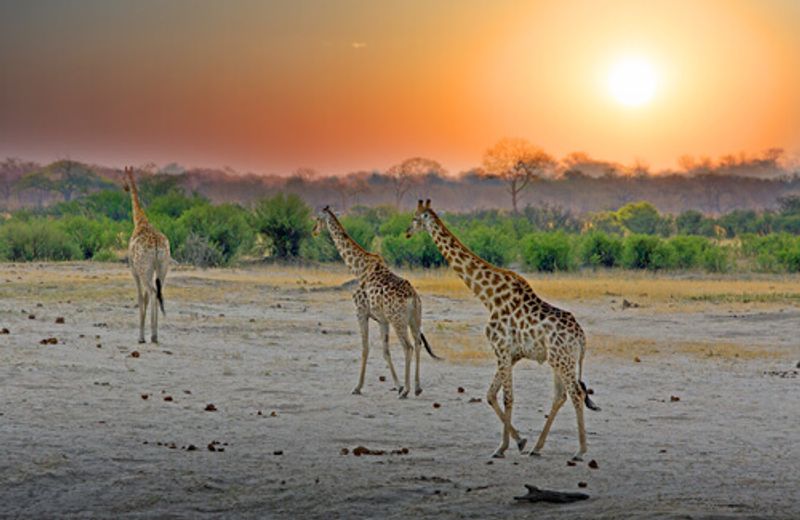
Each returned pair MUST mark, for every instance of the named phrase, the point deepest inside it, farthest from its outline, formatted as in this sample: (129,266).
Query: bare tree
(12,170)
(350,187)
(405,174)
(517,162)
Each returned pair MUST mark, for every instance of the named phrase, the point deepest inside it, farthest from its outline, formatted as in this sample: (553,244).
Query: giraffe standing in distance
(382,296)
(148,255)
(521,325)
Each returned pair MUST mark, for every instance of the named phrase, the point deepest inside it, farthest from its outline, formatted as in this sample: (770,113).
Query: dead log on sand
(556,497)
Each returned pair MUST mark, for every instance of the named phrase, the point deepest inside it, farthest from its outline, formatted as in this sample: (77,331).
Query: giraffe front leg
(491,398)
(363,323)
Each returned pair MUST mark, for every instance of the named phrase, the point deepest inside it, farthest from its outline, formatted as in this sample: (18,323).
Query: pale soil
(78,439)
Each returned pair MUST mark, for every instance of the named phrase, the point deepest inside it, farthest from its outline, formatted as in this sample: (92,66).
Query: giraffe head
(422,217)
(319,223)
(128,179)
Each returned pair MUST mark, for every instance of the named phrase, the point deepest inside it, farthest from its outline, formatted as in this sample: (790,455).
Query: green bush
(319,249)
(105,255)
(547,251)
(174,204)
(417,251)
(490,244)
(286,221)
(664,256)
(200,251)
(395,224)
(716,259)
(688,250)
(92,235)
(225,227)
(599,249)
(36,240)
(359,230)
(643,218)
(638,251)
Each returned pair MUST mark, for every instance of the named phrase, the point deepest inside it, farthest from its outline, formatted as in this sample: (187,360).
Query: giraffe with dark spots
(382,296)
(521,325)
(149,258)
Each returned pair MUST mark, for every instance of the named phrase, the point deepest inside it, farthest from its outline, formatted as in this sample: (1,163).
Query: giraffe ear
(428,204)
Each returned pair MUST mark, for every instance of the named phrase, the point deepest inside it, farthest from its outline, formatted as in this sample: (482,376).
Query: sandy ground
(276,352)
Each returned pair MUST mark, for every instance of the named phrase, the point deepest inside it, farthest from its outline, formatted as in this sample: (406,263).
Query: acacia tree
(12,170)
(517,162)
(67,177)
(407,173)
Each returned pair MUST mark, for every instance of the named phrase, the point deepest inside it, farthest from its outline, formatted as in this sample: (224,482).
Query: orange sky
(348,85)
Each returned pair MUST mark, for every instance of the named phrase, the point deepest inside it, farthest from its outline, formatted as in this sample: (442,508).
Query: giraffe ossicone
(521,325)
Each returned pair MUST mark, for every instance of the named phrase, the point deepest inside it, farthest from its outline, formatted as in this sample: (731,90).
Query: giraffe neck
(354,256)
(139,218)
(476,273)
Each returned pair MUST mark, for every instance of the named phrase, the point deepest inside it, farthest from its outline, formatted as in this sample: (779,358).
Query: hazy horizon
(355,85)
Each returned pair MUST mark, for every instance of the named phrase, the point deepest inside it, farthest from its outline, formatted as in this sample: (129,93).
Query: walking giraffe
(148,255)
(382,296)
(521,325)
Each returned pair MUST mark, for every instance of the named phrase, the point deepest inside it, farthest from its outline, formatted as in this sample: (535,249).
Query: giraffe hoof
(521,443)
(498,455)
(577,457)
(356,391)
(400,390)
(534,453)
(418,391)
(404,395)
(141,340)
(154,339)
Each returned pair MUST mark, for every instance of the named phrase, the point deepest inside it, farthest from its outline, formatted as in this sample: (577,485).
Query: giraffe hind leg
(401,330)
(363,323)
(559,398)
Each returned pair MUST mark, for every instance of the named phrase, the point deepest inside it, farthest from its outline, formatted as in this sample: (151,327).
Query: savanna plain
(245,408)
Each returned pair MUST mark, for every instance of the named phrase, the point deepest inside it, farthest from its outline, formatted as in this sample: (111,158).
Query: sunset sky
(351,85)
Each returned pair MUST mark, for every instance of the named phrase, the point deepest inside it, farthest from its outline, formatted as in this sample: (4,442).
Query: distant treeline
(513,175)
(537,237)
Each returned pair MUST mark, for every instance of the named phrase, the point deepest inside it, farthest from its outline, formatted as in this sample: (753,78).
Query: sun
(632,81)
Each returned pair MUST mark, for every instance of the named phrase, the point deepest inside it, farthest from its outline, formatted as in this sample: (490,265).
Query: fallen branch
(556,497)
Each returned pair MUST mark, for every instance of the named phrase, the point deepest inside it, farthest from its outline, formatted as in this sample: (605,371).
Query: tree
(12,170)
(286,221)
(407,173)
(517,162)
(350,187)
(66,177)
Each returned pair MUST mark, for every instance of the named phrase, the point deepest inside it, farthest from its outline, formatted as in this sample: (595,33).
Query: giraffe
(148,254)
(382,296)
(521,325)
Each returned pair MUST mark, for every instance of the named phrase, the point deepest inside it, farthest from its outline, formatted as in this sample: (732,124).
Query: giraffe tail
(427,346)
(588,402)
(160,296)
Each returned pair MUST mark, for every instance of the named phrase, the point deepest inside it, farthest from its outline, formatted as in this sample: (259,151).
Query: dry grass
(657,291)
(632,348)
(473,348)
